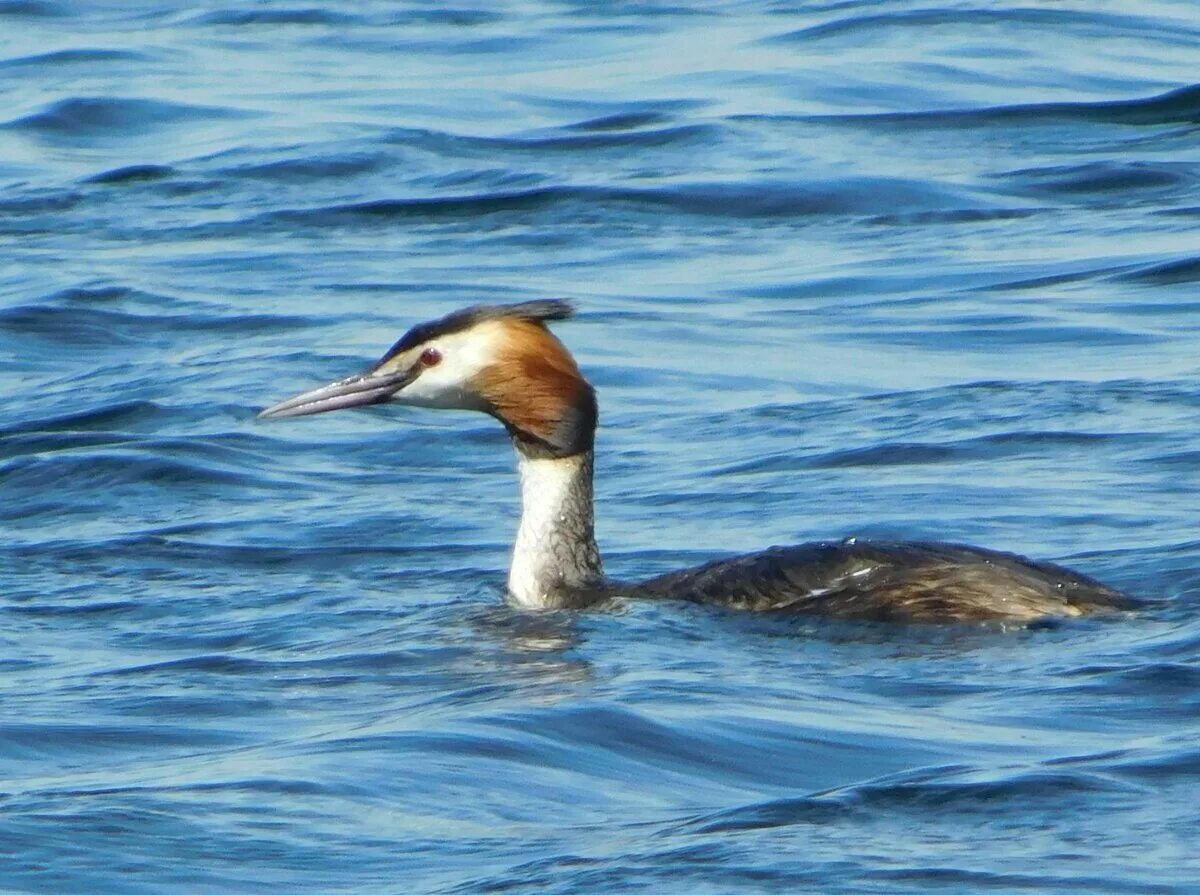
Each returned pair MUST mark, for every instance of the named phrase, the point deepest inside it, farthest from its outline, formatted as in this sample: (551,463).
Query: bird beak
(354,391)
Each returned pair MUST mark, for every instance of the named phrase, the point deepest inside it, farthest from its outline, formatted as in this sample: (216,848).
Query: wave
(626,130)
(764,199)
(969,335)
(1177,106)
(85,609)
(34,9)
(929,791)
(1165,273)
(61,739)
(315,15)
(132,174)
(81,56)
(621,121)
(297,16)
(1102,177)
(1090,22)
(40,202)
(30,478)
(100,116)
(303,169)
(983,448)
(120,413)
(784,812)
(93,327)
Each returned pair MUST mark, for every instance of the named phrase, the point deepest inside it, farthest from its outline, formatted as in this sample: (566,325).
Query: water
(916,270)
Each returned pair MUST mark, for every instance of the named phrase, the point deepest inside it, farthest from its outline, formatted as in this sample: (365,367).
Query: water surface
(896,269)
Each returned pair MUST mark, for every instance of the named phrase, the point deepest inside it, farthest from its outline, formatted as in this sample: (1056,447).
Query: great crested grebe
(502,360)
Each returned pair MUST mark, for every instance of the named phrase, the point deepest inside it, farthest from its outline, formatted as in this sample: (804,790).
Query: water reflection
(539,647)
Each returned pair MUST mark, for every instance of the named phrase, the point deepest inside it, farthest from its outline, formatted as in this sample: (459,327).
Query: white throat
(555,552)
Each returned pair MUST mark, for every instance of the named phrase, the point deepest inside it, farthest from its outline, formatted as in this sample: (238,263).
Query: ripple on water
(133,174)
(90,117)
(1108,178)
(81,326)
(83,57)
(859,27)
(722,200)
(33,9)
(1165,273)
(1180,106)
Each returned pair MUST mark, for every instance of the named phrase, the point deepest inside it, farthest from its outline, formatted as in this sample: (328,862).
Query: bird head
(498,359)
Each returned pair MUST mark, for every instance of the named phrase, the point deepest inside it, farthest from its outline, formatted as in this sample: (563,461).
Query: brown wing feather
(898,581)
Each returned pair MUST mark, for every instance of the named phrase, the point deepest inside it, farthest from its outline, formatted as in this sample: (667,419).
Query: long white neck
(555,553)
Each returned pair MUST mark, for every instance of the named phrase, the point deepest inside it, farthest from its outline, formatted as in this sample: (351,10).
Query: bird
(503,360)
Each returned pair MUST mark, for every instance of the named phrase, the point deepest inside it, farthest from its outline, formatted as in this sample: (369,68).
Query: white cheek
(448,384)
(435,387)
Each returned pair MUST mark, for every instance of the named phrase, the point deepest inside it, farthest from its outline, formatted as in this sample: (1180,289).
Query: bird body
(503,360)
(892,581)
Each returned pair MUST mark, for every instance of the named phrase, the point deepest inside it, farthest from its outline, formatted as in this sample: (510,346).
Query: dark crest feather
(541,310)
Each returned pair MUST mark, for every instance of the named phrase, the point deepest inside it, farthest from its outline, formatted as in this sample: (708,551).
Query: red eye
(431,357)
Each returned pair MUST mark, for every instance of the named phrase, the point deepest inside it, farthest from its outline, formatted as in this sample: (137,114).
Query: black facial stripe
(542,310)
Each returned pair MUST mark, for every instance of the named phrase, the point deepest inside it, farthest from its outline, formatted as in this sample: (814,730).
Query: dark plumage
(890,581)
(545,309)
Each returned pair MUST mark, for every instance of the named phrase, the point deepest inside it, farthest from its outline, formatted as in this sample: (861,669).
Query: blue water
(923,270)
